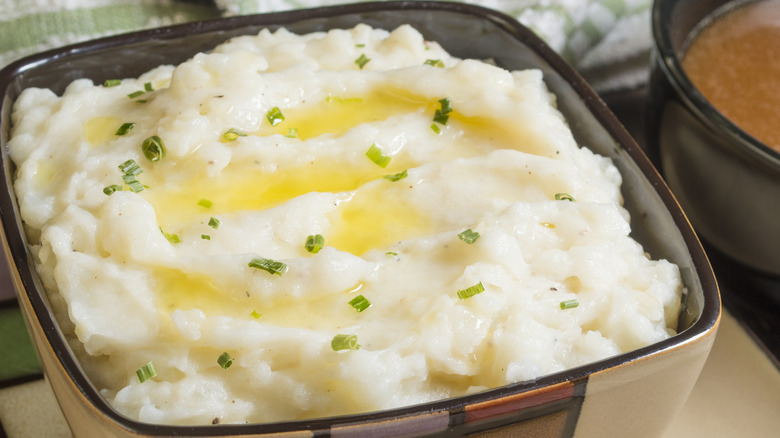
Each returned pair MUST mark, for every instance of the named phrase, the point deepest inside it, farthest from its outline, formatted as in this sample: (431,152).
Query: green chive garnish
(232,134)
(146,372)
(112,82)
(135,94)
(130,167)
(173,238)
(375,154)
(292,133)
(435,128)
(397,176)
(469,236)
(205,203)
(434,62)
(224,360)
(563,197)
(148,87)
(109,190)
(569,304)
(362,61)
(256,315)
(205,237)
(275,116)
(132,182)
(360,303)
(153,148)
(314,243)
(268,265)
(471,291)
(214,222)
(344,342)
(442,114)
(125,128)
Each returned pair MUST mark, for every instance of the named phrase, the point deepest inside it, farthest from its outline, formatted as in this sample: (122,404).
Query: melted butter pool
(337,115)
(372,218)
(187,291)
(101,129)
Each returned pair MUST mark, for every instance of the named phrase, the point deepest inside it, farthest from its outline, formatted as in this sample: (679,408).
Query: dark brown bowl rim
(706,322)
(667,58)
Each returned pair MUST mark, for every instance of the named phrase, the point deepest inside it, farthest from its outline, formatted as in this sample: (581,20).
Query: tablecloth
(602,35)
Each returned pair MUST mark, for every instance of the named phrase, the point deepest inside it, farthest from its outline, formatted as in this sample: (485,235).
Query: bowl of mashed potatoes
(712,122)
(381,219)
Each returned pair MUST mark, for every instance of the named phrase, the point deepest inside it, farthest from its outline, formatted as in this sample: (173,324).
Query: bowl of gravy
(714,121)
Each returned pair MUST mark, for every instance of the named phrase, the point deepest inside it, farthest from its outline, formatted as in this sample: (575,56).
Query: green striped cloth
(574,28)
(595,35)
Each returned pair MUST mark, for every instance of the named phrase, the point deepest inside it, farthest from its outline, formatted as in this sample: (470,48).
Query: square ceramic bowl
(633,394)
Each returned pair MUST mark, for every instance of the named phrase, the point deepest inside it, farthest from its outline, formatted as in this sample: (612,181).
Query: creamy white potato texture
(388,148)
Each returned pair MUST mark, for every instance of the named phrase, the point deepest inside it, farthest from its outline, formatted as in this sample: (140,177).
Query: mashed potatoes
(299,226)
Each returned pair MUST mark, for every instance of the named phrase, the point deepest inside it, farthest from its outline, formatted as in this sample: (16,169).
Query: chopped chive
(275,116)
(442,114)
(446,106)
(375,154)
(205,203)
(397,176)
(205,237)
(224,360)
(391,253)
(153,148)
(112,82)
(360,303)
(268,265)
(434,62)
(173,238)
(125,128)
(362,61)
(132,182)
(232,134)
(314,243)
(469,236)
(135,94)
(130,167)
(564,197)
(435,128)
(146,372)
(109,190)
(569,304)
(292,133)
(344,342)
(214,222)
(148,87)
(471,291)
(255,315)
(360,45)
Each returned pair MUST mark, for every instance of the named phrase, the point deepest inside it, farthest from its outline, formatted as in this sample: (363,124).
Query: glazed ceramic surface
(634,394)
(727,182)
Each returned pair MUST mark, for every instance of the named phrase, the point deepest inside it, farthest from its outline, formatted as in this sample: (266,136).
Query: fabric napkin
(602,38)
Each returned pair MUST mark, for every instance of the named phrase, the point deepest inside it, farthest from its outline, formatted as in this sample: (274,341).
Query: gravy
(735,63)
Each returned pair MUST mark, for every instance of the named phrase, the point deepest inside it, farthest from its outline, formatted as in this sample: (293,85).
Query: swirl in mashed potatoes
(467,241)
